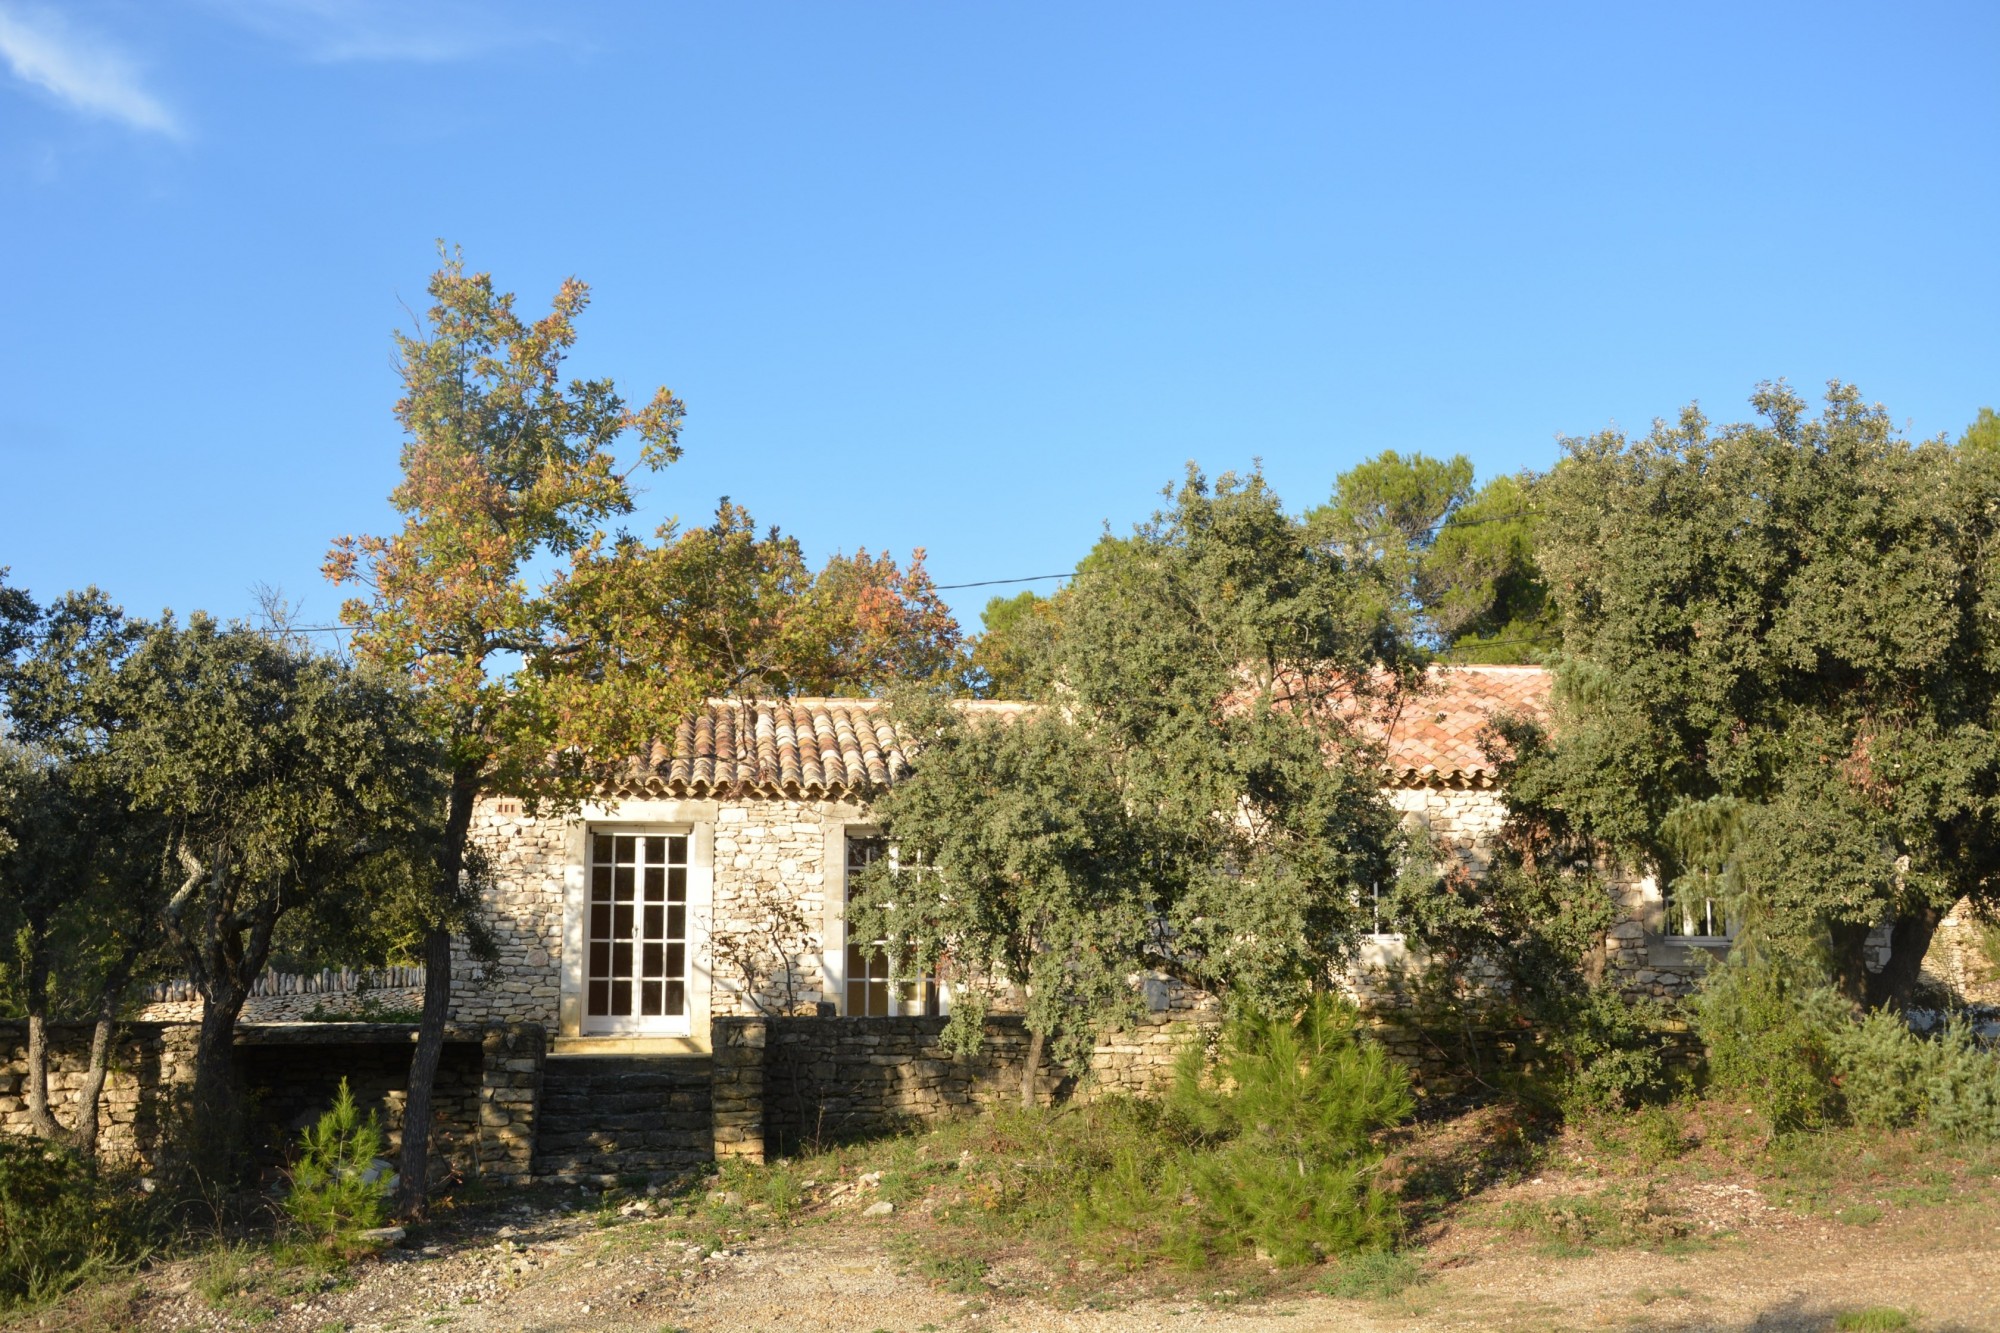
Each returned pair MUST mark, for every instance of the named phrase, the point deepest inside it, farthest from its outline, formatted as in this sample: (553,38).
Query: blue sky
(976,278)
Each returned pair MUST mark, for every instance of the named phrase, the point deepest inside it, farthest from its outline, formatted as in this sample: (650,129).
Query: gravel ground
(541,1269)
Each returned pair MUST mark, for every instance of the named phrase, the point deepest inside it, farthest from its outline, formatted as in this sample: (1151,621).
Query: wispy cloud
(81,70)
(422,31)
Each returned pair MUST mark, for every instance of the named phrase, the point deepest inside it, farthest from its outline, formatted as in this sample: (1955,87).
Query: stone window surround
(696,819)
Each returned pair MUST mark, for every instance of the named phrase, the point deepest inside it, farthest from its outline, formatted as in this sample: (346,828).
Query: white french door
(637,934)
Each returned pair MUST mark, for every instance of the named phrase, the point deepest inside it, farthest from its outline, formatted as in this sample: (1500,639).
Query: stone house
(627,927)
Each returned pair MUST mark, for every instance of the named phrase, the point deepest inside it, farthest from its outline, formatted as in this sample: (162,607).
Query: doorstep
(628,1046)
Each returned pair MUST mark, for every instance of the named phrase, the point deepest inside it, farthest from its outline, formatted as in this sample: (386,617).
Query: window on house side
(1696,918)
(875,987)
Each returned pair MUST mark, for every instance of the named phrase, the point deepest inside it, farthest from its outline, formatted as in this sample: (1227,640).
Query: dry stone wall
(488,1086)
(151,1064)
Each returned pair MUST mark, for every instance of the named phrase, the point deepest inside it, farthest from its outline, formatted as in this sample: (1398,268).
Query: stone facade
(745,856)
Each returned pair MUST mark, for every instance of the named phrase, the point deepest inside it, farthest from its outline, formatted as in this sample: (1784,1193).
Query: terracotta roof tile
(1431,737)
(828,748)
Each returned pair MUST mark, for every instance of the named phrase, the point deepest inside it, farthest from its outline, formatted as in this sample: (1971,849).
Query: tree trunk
(1848,957)
(109,997)
(40,1119)
(1909,941)
(92,1092)
(412,1184)
(216,1109)
(1031,1070)
(413,1170)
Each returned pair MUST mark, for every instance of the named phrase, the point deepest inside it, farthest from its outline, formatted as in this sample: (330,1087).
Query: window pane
(677,923)
(600,999)
(600,960)
(621,921)
(656,884)
(650,999)
(621,999)
(676,960)
(600,882)
(621,884)
(656,850)
(621,959)
(600,921)
(677,884)
(654,958)
(656,922)
(676,997)
(600,848)
(627,849)
(677,849)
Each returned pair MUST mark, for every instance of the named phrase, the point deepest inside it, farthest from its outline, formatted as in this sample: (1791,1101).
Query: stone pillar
(737,1046)
(510,1088)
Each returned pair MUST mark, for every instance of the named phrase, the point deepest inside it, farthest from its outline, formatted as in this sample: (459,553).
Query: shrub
(1801,1056)
(1769,1027)
(1881,1067)
(58,1221)
(336,1190)
(1286,1124)
(1607,1053)
(1961,1086)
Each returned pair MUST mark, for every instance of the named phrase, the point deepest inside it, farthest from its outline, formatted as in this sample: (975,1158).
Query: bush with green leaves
(1286,1123)
(1781,1036)
(1769,1023)
(336,1191)
(59,1221)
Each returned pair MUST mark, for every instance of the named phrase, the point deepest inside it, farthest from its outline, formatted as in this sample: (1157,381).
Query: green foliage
(332,1194)
(1014,657)
(1509,950)
(1874,1319)
(1018,861)
(1961,1087)
(1779,1035)
(1211,659)
(1983,433)
(1460,566)
(1769,1029)
(1287,1121)
(1881,1067)
(59,1223)
(1203,665)
(1481,582)
(1791,615)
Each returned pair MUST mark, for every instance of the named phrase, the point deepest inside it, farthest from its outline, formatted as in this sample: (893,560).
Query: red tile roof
(815,749)
(1432,736)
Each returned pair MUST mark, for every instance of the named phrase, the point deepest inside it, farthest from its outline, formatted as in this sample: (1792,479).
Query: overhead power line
(988,583)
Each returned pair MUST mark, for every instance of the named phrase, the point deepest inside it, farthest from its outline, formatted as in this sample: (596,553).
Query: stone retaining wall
(150,1062)
(488,1084)
(781,1083)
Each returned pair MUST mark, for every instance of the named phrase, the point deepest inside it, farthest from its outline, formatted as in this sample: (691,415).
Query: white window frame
(934,996)
(639,1025)
(1672,913)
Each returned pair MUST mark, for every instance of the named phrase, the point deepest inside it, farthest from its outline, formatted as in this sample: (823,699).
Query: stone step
(610,1113)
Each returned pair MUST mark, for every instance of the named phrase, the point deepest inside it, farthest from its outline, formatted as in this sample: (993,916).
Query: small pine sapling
(336,1189)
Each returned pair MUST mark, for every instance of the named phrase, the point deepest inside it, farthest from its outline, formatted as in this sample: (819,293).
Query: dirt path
(550,1270)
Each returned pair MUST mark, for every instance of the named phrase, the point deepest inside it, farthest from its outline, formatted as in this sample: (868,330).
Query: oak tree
(1780,665)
